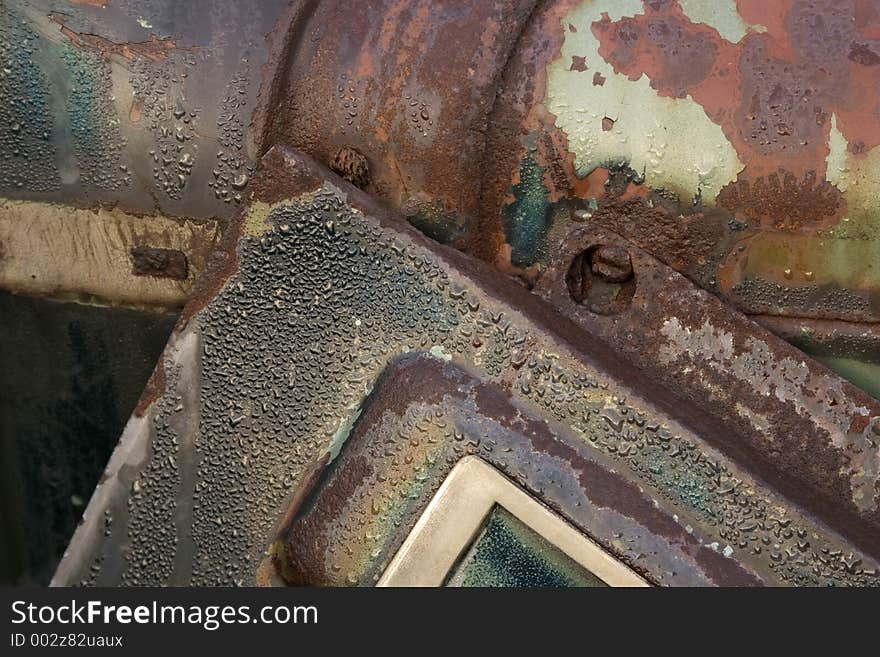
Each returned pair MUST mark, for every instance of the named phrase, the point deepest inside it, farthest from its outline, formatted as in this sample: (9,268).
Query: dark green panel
(70,376)
(510,554)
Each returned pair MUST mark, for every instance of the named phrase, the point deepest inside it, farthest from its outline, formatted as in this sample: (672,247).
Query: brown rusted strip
(784,416)
(156,49)
(159,263)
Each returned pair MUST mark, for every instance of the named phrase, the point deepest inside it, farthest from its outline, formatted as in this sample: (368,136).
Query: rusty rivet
(352,166)
(612,264)
(159,263)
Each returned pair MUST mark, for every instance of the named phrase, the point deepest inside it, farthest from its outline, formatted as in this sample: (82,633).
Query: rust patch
(284,177)
(578,63)
(521,124)
(221,264)
(156,49)
(474,415)
(409,86)
(782,202)
(790,416)
(864,54)
(301,494)
(688,243)
(351,166)
(773,94)
(675,53)
(159,263)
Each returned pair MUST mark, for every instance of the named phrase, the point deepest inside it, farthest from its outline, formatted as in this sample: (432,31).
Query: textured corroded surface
(423,418)
(735,140)
(410,84)
(266,380)
(142,102)
(773,401)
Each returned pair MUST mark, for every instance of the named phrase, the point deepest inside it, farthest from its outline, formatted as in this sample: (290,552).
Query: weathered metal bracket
(318,289)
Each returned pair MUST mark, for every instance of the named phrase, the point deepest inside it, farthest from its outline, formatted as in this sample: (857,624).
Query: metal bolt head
(612,264)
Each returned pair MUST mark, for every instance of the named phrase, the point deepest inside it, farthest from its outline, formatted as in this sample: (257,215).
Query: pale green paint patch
(815,260)
(858,177)
(437,352)
(343,432)
(847,254)
(671,141)
(721,15)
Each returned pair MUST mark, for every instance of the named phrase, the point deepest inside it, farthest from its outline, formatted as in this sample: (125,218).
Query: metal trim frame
(456,514)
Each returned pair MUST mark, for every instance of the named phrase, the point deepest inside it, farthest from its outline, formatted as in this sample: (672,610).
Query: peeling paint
(439,353)
(343,432)
(818,398)
(723,15)
(647,130)
(858,177)
(255,218)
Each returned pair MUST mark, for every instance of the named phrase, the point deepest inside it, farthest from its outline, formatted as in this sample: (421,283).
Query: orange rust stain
(731,269)
(635,191)
(156,49)
(522,124)
(90,3)
(593,184)
(590,186)
(135,113)
(859,423)
(154,389)
(773,94)
(769,14)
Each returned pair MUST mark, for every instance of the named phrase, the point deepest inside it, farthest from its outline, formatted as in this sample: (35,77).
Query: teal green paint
(508,553)
(26,121)
(94,124)
(527,219)
(685,487)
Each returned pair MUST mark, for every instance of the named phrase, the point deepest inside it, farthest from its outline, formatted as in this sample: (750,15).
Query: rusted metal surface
(257,401)
(410,85)
(476,124)
(714,135)
(590,148)
(771,400)
(159,263)
(155,49)
(422,419)
(860,341)
(141,103)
